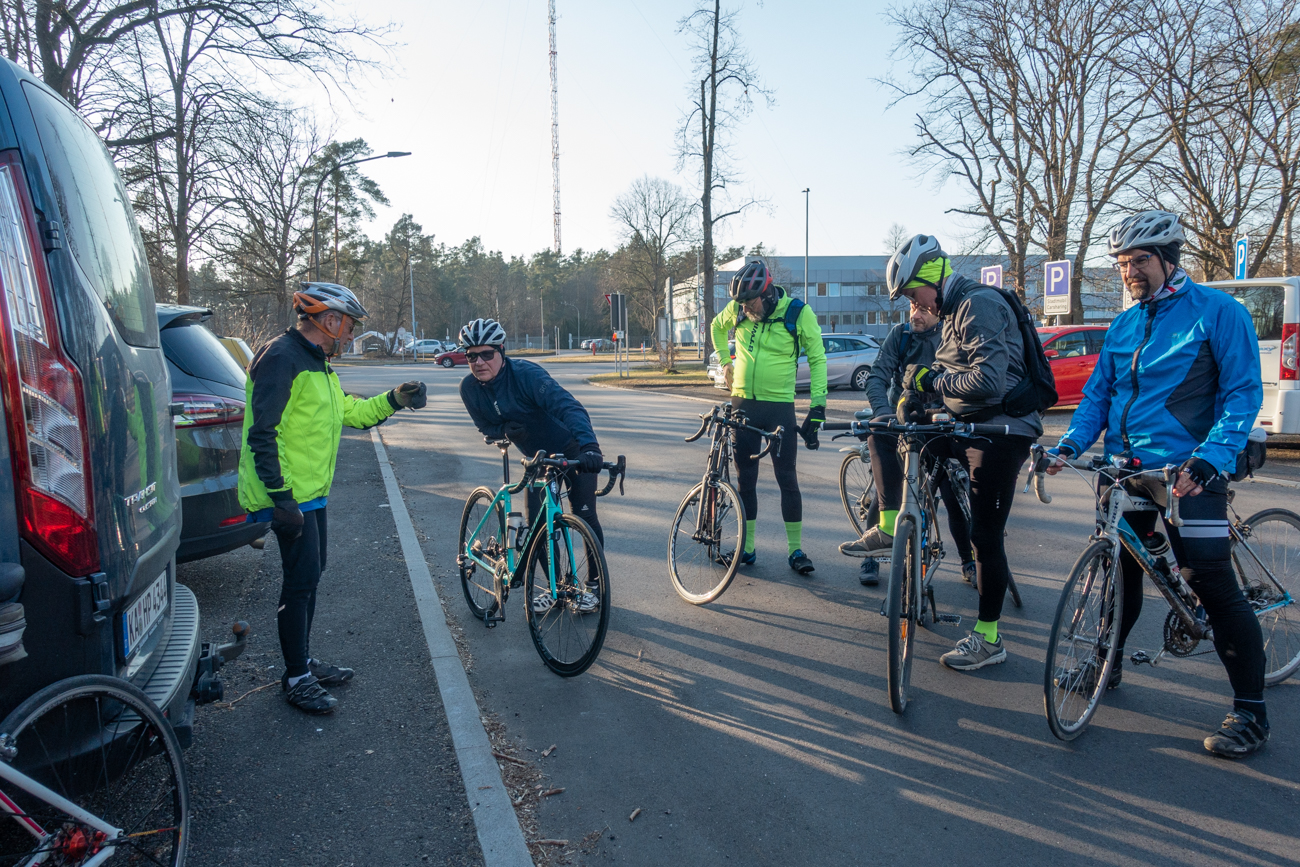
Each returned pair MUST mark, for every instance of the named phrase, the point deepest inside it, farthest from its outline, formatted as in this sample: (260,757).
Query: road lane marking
(495,820)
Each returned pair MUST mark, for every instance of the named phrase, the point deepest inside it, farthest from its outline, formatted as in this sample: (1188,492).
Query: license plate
(144,614)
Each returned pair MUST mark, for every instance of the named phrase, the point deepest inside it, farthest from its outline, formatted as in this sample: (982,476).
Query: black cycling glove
(591,461)
(514,430)
(918,377)
(412,395)
(1201,471)
(911,408)
(286,518)
(811,425)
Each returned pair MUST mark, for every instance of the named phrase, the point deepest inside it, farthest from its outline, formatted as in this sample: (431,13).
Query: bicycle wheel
(102,744)
(857,489)
(697,559)
(488,541)
(1081,646)
(904,609)
(567,632)
(1268,565)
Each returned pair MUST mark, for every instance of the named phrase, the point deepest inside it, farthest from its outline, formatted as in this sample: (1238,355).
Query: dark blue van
(90,514)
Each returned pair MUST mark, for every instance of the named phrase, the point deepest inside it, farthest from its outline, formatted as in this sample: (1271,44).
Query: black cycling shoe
(329,675)
(1239,736)
(308,695)
(869,573)
(800,563)
(746,558)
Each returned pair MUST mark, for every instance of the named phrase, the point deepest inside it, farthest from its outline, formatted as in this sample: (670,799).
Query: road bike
(558,561)
(918,545)
(858,487)
(708,530)
(1082,647)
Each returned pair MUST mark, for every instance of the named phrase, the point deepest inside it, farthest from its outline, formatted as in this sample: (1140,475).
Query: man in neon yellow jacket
(293,419)
(771,329)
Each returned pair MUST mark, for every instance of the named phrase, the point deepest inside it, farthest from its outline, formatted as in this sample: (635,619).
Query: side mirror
(1051,354)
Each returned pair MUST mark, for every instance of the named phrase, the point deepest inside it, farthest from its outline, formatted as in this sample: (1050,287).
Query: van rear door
(1265,300)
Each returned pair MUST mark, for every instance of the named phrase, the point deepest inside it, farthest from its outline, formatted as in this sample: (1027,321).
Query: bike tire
(857,489)
(695,567)
(478,585)
(1275,540)
(903,606)
(567,639)
(1081,647)
(104,745)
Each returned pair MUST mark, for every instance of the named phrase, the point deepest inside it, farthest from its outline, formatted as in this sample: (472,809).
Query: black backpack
(1036,391)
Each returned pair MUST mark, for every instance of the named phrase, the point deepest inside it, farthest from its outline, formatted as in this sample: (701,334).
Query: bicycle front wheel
(483,534)
(1268,564)
(857,489)
(1081,649)
(103,744)
(708,535)
(904,607)
(568,622)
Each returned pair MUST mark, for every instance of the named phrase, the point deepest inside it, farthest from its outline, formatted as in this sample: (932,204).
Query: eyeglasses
(1136,262)
(486,355)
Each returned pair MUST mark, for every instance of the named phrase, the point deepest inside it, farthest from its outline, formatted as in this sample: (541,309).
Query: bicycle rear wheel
(567,632)
(904,607)
(1081,648)
(1268,565)
(857,489)
(487,538)
(102,744)
(701,563)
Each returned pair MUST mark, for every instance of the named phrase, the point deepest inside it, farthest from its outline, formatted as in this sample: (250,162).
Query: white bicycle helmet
(1145,230)
(483,332)
(907,260)
(317,298)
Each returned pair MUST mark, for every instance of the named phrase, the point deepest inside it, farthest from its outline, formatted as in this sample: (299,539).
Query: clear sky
(469,94)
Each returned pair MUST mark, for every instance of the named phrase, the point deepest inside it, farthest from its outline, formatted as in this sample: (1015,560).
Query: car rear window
(97,218)
(197,351)
(1265,305)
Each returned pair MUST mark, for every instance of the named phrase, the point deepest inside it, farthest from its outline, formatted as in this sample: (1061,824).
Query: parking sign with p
(991,276)
(1242,253)
(1056,288)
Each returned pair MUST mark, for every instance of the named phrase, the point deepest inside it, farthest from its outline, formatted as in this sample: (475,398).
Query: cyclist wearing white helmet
(979,360)
(294,416)
(1178,382)
(518,400)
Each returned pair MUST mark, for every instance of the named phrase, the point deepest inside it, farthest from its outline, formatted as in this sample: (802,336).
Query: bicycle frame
(20,780)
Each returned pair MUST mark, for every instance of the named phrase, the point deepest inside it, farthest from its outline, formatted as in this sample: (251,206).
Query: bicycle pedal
(948,618)
(1140,657)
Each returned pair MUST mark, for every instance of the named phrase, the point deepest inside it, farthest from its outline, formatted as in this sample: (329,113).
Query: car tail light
(207,409)
(43,395)
(1288,370)
(241,518)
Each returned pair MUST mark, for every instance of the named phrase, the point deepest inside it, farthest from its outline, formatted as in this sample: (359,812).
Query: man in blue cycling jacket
(1178,382)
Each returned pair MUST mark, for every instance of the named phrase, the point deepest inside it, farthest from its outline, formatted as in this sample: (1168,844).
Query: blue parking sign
(1056,288)
(991,276)
(1243,251)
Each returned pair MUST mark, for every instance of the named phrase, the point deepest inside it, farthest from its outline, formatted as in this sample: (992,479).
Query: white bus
(1274,305)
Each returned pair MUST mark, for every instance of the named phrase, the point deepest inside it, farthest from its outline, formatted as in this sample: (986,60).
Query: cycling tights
(582,494)
(887,470)
(767,414)
(303,560)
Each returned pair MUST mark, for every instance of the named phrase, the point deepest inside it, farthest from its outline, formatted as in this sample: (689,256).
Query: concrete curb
(495,822)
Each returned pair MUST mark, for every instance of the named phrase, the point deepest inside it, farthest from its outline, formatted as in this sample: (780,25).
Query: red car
(1073,351)
(452,357)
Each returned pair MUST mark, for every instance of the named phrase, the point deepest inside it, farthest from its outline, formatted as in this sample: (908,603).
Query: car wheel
(447,362)
(859,379)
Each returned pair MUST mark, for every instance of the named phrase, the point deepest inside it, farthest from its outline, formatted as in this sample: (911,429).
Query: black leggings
(1204,557)
(887,470)
(582,500)
(994,466)
(767,414)
(303,562)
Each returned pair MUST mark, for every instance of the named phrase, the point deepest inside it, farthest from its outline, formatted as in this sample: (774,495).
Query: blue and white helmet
(483,332)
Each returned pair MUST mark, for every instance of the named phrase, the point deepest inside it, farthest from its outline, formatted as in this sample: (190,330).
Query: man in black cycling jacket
(519,401)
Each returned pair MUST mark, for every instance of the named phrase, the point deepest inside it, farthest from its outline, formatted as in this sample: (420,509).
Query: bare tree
(895,237)
(727,82)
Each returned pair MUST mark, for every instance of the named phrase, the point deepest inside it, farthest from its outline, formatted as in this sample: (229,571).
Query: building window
(821,319)
(857,319)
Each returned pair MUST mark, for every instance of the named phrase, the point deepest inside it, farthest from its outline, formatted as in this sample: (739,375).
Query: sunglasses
(486,355)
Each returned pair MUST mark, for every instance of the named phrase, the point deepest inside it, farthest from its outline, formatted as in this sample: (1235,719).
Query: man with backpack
(771,328)
(981,372)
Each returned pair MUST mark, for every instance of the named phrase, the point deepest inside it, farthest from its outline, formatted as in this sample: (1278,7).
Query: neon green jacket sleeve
(810,338)
(722,323)
(365,413)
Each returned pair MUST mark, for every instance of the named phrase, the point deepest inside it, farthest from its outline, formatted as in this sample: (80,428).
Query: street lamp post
(805,244)
(315,204)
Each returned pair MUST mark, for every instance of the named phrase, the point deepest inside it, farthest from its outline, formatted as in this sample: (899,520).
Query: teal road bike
(558,561)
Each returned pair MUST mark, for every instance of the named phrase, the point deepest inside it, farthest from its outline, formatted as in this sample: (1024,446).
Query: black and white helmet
(317,298)
(907,260)
(1149,229)
(483,332)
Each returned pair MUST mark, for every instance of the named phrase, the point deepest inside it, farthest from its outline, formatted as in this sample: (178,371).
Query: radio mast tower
(555,132)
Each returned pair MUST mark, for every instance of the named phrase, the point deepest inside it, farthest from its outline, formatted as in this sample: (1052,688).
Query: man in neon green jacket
(293,419)
(771,328)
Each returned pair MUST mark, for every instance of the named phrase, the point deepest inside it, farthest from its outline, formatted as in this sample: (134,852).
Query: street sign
(1243,251)
(615,310)
(991,276)
(1056,288)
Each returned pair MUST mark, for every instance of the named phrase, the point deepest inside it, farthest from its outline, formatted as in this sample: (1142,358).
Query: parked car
(714,370)
(428,347)
(90,499)
(452,357)
(1274,306)
(848,361)
(1072,351)
(208,385)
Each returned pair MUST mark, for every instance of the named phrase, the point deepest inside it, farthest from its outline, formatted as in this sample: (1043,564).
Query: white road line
(495,821)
